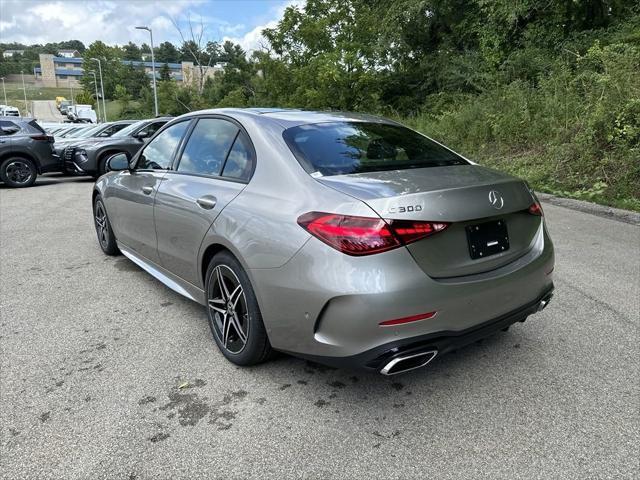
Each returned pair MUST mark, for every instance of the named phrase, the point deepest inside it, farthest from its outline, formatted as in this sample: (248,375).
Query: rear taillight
(536,209)
(365,235)
(42,138)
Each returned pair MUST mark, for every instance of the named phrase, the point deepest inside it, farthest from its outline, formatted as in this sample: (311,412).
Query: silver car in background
(342,238)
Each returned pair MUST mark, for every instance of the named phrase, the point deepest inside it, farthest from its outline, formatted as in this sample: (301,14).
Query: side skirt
(172,281)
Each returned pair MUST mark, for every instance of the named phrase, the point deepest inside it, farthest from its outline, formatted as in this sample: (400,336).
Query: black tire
(106,238)
(256,347)
(18,172)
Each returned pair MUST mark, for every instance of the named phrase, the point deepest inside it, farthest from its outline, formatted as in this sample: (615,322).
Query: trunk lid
(459,195)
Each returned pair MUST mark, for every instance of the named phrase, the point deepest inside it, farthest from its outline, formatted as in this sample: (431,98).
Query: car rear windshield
(340,148)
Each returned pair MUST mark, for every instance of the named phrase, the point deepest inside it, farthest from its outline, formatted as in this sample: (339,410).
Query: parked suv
(103,130)
(25,151)
(90,156)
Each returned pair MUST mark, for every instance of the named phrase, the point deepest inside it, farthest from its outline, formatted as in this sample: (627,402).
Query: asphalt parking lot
(106,373)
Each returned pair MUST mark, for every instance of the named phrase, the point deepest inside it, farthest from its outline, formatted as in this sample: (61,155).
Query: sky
(113,21)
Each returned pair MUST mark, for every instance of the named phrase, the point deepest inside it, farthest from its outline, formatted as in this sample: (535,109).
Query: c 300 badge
(405,209)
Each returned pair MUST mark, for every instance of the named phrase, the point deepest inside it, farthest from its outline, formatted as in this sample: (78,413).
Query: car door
(130,200)
(216,162)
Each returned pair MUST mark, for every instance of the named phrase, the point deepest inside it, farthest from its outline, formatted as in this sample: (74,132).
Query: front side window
(112,129)
(207,147)
(341,148)
(151,129)
(128,130)
(157,155)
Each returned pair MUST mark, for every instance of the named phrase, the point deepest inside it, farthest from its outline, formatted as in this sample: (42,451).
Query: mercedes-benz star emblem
(496,200)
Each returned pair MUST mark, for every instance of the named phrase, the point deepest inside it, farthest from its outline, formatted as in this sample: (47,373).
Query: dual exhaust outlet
(411,361)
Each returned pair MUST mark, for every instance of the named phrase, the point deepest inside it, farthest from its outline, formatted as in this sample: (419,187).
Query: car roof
(290,117)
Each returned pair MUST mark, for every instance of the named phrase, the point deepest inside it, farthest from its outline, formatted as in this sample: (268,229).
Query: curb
(626,216)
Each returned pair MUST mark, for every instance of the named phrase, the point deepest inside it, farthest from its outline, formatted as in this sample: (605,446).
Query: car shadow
(49,179)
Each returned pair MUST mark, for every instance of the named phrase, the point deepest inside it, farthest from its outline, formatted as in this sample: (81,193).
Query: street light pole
(4,90)
(95,84)
(26,108)
(153,69)
(104,105)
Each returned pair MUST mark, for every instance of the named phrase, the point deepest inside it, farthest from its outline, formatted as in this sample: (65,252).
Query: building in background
(58,71)
(11,53)
(68,53)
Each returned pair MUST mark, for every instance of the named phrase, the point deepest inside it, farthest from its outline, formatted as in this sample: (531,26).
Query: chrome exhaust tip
(544,302)
(404,363)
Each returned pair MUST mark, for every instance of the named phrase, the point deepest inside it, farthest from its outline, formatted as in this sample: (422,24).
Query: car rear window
(339,148)
(35,125)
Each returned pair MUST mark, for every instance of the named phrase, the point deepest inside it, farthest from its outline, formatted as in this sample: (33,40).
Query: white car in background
(82,114)
(9,111)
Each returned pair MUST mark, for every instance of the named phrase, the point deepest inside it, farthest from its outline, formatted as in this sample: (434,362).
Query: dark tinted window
(240,160)
(10,127)
(158,153)
(111,129)
(36,126)
(354,147)
(151,129)
(207,147)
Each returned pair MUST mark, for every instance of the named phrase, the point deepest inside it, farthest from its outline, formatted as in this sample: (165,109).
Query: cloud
(114,21)
(253,39)
(29,21)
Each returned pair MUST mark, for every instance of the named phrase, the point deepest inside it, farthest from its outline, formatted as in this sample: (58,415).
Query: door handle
(207,202)
(147,190)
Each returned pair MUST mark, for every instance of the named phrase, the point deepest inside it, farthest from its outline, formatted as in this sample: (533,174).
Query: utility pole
(153,69)
(4,90)
(104,105)
(95,84)
(26,108)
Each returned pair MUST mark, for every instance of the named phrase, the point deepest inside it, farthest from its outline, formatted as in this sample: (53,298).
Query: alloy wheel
(19,172)
(227,307)
(102,227)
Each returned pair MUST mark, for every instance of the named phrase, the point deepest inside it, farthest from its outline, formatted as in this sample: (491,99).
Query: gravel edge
(618,214)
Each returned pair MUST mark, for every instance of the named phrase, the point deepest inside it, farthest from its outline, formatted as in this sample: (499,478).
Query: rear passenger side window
(240,160)
(207,147)
(8,128)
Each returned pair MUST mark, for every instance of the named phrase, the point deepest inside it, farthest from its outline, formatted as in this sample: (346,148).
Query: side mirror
(118,162)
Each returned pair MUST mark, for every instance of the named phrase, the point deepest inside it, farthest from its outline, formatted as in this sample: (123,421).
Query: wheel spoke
(216,308)
(235,295)
(238,328)
(226,324)
(223,288)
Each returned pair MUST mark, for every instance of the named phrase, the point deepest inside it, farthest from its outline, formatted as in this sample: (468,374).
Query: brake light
(536,209)
(365,235)
(41,138)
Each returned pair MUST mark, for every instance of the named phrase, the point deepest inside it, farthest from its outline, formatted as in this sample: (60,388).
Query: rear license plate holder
(488,238)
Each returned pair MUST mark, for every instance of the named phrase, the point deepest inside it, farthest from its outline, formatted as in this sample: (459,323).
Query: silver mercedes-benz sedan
(342,238)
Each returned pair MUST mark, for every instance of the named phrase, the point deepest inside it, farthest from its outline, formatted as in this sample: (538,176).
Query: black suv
(89,156)
(25,151)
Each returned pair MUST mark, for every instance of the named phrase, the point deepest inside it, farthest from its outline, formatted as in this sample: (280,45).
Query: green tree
(131,51)
(165,73)
(166,52)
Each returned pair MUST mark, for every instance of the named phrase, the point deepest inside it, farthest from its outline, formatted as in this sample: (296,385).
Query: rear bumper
(441,342)
(323,303)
